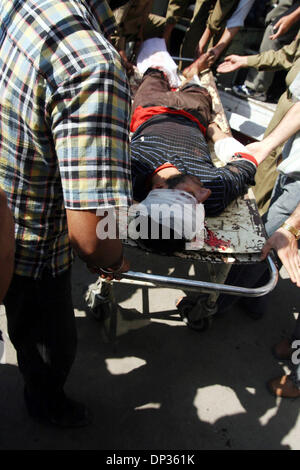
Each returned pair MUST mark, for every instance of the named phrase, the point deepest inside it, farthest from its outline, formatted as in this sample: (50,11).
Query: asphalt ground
(160,385)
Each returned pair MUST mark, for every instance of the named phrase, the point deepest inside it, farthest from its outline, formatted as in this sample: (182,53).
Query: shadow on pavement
(164,386)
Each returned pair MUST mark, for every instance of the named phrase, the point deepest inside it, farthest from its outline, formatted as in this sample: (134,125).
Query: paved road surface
(162,385)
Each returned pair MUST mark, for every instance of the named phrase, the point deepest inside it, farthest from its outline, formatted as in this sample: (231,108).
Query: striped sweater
(176,139)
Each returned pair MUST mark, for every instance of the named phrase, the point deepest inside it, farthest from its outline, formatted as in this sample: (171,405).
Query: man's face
(192,185)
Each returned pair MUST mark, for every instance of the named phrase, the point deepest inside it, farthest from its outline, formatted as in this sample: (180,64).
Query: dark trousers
(41,326)
(285,198)
(155,90)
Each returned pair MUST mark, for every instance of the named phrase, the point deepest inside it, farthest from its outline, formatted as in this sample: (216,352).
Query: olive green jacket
(287,58)
(219,11)
(130,19)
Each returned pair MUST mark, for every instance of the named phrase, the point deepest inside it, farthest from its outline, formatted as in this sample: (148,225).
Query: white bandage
(153,53)
(177,210)
(226,148)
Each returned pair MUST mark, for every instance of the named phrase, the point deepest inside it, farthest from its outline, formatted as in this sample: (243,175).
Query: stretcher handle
(184,59)
(154,280)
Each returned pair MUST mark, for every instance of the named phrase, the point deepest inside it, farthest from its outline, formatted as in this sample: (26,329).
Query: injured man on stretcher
(170,157)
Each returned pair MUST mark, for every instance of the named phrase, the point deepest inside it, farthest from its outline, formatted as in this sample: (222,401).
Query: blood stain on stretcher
(213,241)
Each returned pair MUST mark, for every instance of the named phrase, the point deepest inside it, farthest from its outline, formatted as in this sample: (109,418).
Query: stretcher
(234,237)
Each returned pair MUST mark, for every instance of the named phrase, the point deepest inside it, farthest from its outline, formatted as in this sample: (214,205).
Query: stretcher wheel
(100,312)
(199,325)
(185,308)
(98,300)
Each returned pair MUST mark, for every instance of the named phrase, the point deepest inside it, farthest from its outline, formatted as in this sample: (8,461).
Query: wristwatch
(291,229)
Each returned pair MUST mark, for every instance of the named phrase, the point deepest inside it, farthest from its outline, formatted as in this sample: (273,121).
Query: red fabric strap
(161,167)
(247,156)
(142,115)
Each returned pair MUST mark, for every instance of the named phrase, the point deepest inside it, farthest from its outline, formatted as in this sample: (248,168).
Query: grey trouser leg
(261,81)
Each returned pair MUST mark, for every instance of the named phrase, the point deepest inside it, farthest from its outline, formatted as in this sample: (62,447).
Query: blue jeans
(284,200)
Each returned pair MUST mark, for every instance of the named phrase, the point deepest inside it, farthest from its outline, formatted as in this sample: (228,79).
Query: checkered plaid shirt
(64,112)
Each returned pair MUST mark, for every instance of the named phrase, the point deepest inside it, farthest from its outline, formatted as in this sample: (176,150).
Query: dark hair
(174,180)
(161,245)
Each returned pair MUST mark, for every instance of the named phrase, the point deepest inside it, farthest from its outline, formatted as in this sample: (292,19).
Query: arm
(283,241)
(233,25)
(276,60)
(221,12)
(130,19)
(286,246)
(202,63)
(224,42)
(287,127)
(227,149)
(285,23)
(214,133)
(227,183)
(204,40)
(268,60)
(7,244)
(95,252)
(128,65)
(91,138)
(206,59)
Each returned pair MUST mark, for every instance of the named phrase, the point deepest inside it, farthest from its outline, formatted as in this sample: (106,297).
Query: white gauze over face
(177,210)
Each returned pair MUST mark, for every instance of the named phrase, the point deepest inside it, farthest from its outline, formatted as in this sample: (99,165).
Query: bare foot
(202,63)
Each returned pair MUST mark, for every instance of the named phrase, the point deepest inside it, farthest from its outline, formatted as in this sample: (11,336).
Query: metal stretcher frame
(155,280)
(199,316)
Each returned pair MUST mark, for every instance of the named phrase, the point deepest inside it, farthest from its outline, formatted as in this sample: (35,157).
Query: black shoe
(253,307)
(61,411)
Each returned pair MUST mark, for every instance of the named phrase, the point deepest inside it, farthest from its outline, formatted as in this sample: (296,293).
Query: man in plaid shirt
(65,106)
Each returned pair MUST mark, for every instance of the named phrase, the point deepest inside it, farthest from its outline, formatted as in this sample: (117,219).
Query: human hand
(199,49)
(202,63)
(231,63)
(109,273)
(215,133)
(203,41)
(259,150)
(127,65)
(212,55)
(281,27)
(286,247)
